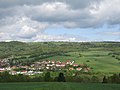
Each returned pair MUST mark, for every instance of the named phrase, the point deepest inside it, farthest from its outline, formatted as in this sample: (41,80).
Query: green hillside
(99,61)
(100,56)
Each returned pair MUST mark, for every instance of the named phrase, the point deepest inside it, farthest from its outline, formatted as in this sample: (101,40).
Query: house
(52,61)
(2,69)
(88,69)
(79,69)
(23,72)
(71,68)
(49,61)
(85,70)
(58,61)
(58,65)
(47,68)
(8,68)
(75,65)
(13,72)
(62,64)
(68,62)
(72,62)
(26,67)
(14,67)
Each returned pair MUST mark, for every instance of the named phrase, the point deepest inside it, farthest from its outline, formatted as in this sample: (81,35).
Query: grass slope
(100,61)
(58,86)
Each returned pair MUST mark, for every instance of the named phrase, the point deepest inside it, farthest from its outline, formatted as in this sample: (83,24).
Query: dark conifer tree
(61,77)
(104,80)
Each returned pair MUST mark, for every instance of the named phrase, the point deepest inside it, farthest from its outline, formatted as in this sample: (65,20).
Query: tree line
(6,77)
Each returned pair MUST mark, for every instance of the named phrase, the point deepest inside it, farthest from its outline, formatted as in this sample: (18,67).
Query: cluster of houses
(58,65)
(46,65)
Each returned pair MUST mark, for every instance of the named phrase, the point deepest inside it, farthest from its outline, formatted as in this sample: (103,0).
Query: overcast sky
(60,20)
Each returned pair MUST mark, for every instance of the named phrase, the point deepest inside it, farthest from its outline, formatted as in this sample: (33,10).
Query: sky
(59,20)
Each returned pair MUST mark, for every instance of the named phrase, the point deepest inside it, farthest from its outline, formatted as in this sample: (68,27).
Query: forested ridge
(15,48)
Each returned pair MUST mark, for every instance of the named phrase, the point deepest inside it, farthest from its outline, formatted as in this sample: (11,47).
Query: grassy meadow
(58,86)
(99,61)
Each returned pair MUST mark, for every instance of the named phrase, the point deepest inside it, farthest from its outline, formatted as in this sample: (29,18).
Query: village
(40,67)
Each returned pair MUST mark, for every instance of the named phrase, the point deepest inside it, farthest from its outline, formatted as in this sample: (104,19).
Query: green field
(100,61)
(58,86)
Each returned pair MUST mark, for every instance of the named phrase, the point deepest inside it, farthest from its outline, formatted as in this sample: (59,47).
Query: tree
(104,80)
(61,77)
(119,78)
(115,78)
(47,77)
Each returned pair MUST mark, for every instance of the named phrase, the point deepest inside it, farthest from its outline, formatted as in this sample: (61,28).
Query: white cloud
(27,20)
(22,27)
(112,33)
(54,38)
(107,12)
(4,36)
(92,15)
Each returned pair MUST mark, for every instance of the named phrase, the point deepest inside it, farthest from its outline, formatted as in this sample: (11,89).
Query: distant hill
(28,52)
(8,49)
